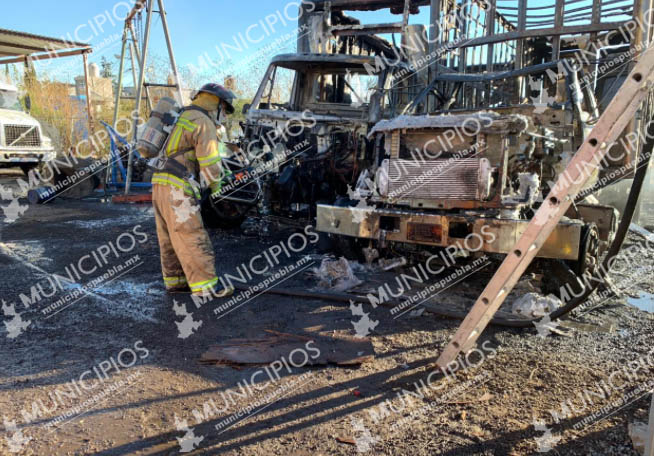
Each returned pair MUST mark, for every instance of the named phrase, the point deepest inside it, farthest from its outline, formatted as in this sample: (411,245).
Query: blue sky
(202,32)
(197,27)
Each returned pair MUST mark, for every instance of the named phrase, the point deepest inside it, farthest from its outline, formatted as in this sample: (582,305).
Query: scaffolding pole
(119,89)
(135,52)
(142,59)
(139,89)
(171,55)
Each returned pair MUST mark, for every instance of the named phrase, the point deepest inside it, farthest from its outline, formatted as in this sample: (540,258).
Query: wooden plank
(615,118)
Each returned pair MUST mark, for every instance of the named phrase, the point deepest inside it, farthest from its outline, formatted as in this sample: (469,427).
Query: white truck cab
(22,142)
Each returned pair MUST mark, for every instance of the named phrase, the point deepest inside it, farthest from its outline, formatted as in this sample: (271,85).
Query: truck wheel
(568,276)
(347,246)
(224,214)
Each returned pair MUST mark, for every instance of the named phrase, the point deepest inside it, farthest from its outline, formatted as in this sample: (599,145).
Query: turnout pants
(187,257)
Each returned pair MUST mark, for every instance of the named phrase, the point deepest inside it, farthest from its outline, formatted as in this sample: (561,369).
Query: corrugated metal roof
(13,43)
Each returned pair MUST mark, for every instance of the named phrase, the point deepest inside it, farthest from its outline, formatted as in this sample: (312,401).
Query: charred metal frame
(615,118)
(505,25)
(506,34)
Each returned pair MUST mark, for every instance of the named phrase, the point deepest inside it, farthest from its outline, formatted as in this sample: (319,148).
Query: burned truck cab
(307,128)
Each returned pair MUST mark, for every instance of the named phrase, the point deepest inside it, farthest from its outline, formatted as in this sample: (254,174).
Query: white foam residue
(122,220)
(27,252)
(137,301)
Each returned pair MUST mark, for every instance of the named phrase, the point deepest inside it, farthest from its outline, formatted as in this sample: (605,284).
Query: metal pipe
(89,106)
(519,51)
(558,23)
(118,91)
(577,98)
(121,67)
(434,38)
(490,31)
(132,53)
(171,55)
(139,89)
(138,59)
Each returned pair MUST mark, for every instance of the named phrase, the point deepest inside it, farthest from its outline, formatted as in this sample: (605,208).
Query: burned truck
(453,139)
(314,134)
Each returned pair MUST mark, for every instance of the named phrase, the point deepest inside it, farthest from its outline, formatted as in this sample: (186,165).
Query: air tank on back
(153,134)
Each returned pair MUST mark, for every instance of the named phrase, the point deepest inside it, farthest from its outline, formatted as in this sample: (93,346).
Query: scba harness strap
(167,164)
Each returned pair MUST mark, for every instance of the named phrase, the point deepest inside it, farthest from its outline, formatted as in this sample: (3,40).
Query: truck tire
(223,215)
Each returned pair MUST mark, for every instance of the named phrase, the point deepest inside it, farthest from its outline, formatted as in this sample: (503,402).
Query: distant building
(101,89)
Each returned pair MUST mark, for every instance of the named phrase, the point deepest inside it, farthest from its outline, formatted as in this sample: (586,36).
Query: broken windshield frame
(343,87)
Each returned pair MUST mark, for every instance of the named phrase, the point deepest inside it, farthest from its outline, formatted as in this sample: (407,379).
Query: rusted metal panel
(481,121)
(342,350)
(434,143)
(498,235)
(133,198)
(563,242)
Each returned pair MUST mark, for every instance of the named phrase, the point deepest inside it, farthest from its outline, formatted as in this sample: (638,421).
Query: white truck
(22,142)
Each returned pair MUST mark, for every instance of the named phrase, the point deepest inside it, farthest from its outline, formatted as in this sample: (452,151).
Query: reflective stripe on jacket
(194,131)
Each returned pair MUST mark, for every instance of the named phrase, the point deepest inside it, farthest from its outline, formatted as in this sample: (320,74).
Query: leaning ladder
(612,122)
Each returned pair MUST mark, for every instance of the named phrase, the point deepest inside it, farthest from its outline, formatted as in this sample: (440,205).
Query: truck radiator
(459,179)
(30,139)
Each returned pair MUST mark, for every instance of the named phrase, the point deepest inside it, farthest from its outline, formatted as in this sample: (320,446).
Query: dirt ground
(113,366)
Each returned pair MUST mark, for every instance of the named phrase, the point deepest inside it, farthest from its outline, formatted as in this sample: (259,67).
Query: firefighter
(191,163)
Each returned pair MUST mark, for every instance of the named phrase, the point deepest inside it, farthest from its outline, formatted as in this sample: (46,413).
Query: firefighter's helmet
(216,89)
